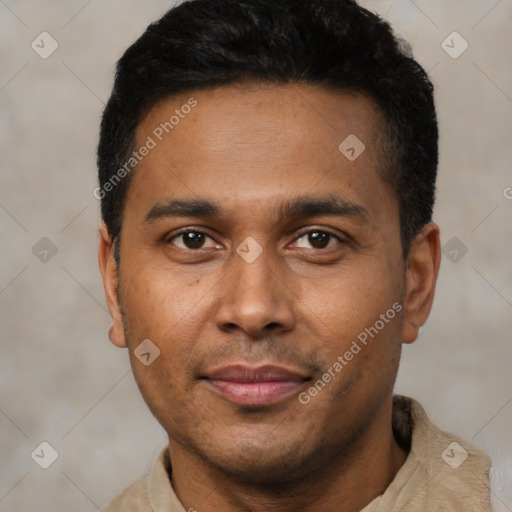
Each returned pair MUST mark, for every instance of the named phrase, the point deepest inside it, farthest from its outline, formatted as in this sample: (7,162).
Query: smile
(255,386)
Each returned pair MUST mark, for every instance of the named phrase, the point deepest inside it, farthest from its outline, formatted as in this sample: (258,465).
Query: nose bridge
(253,279)
(255,298)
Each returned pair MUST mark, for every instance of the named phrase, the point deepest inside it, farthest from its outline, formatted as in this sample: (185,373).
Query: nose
(256,298)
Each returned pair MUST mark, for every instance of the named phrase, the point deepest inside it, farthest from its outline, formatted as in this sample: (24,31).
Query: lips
(259,386)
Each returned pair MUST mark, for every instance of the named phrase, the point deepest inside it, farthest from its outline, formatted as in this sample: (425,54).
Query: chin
(270,465)
(263,470)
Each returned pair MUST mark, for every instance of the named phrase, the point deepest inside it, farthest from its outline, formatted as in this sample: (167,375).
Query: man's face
(292,251)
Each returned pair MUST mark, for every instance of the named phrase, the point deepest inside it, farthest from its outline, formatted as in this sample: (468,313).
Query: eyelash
(168,240)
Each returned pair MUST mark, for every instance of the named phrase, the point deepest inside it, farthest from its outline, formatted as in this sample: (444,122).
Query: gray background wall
(62,382)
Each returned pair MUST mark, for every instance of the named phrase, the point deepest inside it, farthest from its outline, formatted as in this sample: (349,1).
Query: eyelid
(189,229)
(342,238)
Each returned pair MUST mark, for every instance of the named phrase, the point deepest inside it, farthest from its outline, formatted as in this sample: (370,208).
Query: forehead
(247,116)
(258,143)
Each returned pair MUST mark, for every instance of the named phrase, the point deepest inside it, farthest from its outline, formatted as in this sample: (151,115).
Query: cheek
(160,298)
(171,309)
(344,317)
(349,301)
(157,306)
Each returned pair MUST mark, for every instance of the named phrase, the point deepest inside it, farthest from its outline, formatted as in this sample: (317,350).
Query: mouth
(248,386)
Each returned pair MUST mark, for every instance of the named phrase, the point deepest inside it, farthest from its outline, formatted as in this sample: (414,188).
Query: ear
(109,275)
(420,280)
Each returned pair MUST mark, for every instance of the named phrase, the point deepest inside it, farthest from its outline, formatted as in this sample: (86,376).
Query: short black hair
(200,44)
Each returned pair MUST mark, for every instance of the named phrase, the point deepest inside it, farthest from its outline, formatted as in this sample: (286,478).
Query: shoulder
(153,488)
(446,472)
(134,498)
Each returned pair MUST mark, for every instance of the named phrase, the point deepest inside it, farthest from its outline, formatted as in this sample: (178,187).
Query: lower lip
(255,393)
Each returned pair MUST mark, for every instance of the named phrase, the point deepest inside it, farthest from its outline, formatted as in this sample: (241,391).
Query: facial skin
(250,150)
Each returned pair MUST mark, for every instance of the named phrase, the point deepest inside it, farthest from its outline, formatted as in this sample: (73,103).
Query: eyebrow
(308,206)
(182,208)
(304,206)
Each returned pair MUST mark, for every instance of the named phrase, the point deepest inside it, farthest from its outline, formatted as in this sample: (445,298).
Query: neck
(345,483)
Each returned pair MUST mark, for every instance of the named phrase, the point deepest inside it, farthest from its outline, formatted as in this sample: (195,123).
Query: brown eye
(192,240)
(316,240)
(319,239)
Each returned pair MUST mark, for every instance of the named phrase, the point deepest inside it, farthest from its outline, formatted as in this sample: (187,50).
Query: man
(267,174)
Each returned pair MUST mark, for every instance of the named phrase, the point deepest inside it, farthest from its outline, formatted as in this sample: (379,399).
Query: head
(267,176)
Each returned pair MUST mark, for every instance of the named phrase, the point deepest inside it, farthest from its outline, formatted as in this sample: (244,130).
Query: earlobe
(109,276)
(420,281)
